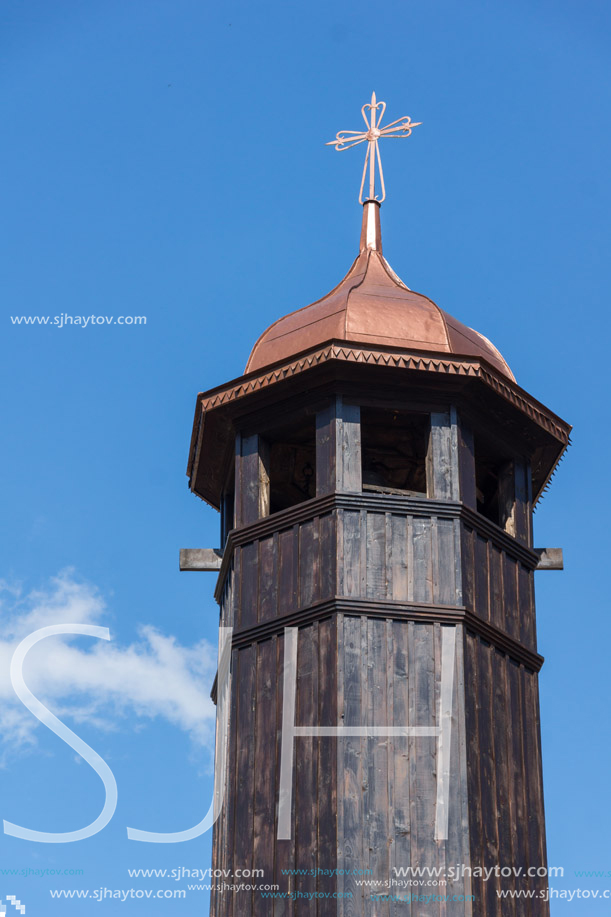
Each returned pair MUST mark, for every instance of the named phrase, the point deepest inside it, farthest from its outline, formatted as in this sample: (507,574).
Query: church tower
(376,469)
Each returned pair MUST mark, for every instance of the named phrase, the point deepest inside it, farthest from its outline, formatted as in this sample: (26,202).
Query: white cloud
(104,683)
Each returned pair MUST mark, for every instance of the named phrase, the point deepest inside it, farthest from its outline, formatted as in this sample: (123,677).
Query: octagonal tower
(376,469)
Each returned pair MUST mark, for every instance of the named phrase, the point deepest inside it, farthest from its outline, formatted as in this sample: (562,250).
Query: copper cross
(402,127)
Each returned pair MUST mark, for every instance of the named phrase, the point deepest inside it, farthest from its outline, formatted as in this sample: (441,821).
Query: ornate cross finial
(402,127)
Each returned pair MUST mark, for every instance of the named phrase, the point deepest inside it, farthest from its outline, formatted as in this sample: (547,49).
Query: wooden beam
(550,559)
(204,560)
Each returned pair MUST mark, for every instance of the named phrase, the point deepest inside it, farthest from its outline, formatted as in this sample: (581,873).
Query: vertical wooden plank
(352,775)
(250,584)
(517,781)
(376,555)
(444,583)
(228,857)
(363,546)
(458,848)
(410,558)
(423,572)
(500,724)
(237,587)
(341,757)
(400,761)
(306,797)
(267,579)
(327,759)
(351,560)
(265,772)
(245,772)
(488,789)
(367,801)
(285,849)
(309,563)
(458,577)
(534,786)
(422,751)
(468,573)
(288,558)
(510,598)
(378,809)
(439,848)
(482,578)
(398,557)
(497,605)
(473,681)
(238,481)
(525,608)
(328,546)
(388,553)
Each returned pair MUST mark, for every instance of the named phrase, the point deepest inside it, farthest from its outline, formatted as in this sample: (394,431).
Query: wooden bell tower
(376,468)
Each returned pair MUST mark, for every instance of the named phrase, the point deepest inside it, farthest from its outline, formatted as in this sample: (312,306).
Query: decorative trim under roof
(401,359)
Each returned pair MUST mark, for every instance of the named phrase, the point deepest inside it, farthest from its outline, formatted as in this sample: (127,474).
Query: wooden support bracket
(206,560)
(550,559)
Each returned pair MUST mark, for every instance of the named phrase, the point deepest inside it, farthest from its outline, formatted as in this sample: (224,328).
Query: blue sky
(167,159)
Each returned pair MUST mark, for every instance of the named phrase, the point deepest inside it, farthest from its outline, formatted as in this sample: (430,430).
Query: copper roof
(371,305)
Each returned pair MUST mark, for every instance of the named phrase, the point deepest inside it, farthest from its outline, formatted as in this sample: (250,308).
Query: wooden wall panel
(371,802)
(504,776)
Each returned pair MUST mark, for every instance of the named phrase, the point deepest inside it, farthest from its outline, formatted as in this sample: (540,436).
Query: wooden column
(515,500)
(442,472)
(338,448)
(251,479)
(466,464)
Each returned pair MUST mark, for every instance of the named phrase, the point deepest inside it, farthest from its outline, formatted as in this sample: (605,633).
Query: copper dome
(371,305)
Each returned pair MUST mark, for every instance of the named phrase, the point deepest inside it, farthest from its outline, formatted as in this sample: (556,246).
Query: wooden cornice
(449,364)
(396,611)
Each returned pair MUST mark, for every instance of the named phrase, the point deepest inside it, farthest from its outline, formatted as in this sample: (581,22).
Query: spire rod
(402,127)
